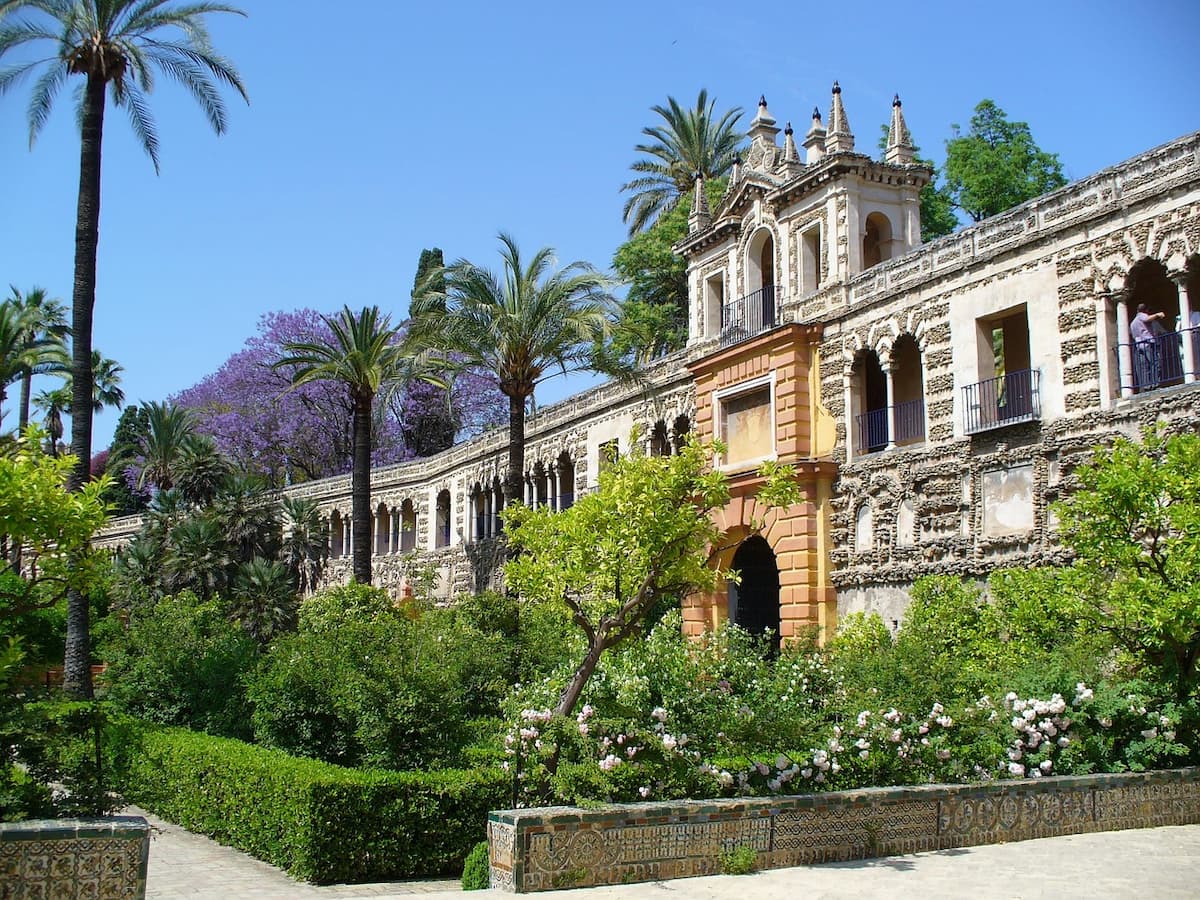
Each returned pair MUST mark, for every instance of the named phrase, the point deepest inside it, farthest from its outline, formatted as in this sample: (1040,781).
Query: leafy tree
(520,327)
(364,357)
(1134,526)
(643,540)
(51,524)
(686,142)
(120,494)
(116,46)
(48,321)
(996,165)
(654,313)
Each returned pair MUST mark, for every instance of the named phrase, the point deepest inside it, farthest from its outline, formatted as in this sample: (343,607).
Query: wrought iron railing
(874,426)
(566,501)
(749,315)
(1160,362)
(1004,400)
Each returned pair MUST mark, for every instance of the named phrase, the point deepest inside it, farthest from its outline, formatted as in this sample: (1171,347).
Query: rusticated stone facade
(934,398)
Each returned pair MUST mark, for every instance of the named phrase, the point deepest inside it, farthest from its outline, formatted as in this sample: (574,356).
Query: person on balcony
(1143,330)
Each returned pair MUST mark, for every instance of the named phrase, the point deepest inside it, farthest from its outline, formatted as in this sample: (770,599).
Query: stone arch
(382,522)
(408,526)
(908,391)
(442,519)
(339,534)
(877,239)
(864,527)
(1157,360)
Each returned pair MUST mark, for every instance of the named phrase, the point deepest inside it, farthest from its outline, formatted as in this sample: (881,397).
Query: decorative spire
(839,139)
(789,164)
(700,217)
(814,141)
(763,129)
(900,149)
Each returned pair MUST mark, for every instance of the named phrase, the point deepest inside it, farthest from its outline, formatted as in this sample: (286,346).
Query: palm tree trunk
(360,490)
(77,671)
(23,410)
(516,451)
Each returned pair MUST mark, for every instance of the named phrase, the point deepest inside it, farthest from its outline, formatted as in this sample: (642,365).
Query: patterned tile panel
(834,833)
(44,860)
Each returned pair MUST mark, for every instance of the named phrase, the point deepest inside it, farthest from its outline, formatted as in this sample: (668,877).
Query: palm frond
(130,96)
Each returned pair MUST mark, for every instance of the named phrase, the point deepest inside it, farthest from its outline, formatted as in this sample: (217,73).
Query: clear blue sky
(378,128)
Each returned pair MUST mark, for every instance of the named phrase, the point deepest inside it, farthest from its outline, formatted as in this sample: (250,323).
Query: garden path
(1163,863)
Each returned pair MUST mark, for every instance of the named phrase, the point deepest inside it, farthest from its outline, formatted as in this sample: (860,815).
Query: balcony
(1006,400)
(873,427)
(748,316)
(1159,363)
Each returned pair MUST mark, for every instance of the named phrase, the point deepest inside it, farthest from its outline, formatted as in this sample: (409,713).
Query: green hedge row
(320,822)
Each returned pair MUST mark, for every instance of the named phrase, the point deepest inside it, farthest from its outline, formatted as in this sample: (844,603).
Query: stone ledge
(74,858)
(557,847)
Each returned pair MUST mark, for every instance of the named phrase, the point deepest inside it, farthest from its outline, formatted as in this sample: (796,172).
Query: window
(810,260)
(746,423)
(1008,389)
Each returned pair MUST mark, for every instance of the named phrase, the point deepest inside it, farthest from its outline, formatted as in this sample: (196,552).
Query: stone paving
(1154,862)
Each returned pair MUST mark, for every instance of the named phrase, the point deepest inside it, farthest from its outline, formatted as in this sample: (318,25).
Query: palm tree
(198,557)
(200,471)
(305,547)
(170,430)
(264,599)
(52,405)
(115,46)
(363,354)
(521,327)
(48,321)
(689,141)
(106,382)
(22,348)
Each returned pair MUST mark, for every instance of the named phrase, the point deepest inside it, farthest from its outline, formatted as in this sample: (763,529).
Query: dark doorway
(754,603)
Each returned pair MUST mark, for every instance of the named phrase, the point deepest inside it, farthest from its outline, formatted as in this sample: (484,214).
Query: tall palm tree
(116,47)
(363,354)
(48,321)
(53,404)
(521,327)
(106,391)
(686,142)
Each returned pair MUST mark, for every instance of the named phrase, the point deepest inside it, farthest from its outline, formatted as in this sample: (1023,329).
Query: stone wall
(74,858)
(559,847)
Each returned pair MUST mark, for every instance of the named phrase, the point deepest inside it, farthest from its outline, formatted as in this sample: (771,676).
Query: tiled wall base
(559,847)
(98,859)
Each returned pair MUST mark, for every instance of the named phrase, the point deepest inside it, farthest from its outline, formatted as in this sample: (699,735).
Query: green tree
(115,46)
(996,165)
(654,318)
(364,356)
(48,320)
(686,142)
(106,391)
(1134,527)
(263,599)
(50,524)
(644,539)
(522,327)
(52,404)
(122,454)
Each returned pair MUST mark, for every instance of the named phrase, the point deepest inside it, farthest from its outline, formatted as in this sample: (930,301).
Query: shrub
(739,861)
(476,875)
(322,823)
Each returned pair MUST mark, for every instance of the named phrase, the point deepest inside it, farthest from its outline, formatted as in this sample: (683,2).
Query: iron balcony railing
(1004,400)
(1160,362)
(874,426)
(749,315)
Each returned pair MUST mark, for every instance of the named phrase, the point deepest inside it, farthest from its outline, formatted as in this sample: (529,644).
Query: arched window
(441,536)
(868,403)
(660,444)
(382,529)
(479,509)
(566,481)
(908,392)
(337,534)
(864,529)
(679,432)
(408,527)
(1157,349)
(877,240)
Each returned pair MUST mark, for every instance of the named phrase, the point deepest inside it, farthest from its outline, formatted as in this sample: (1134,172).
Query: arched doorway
(754,603)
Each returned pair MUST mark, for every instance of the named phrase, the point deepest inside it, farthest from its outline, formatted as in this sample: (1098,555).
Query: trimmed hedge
(320,822)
